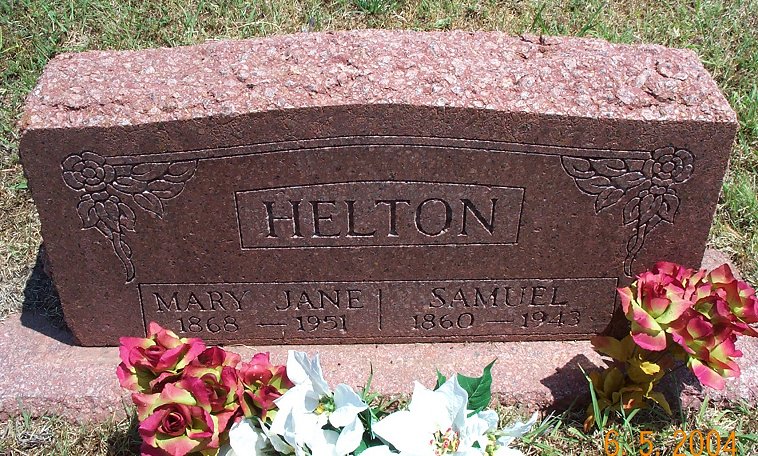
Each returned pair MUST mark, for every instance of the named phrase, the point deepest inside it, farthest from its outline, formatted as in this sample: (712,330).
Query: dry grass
(554,435)
(48,436)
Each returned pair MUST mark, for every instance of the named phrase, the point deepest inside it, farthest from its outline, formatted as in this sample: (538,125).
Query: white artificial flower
(381,450)
(506,436)
(246,439)
(302,370)
(276,441)
(295,419)
(347,408)
(477,428)
(307,407)
(296,423)
(435,423)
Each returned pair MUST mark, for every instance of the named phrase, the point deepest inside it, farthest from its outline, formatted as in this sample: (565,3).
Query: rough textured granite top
(487,70)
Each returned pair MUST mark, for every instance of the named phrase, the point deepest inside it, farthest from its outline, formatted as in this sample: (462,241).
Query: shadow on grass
(42,309)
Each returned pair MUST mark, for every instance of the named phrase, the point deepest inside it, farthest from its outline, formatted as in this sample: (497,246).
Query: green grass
(554,435)
(723,33)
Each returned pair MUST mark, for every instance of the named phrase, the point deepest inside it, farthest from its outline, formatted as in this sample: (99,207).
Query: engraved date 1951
(312,323)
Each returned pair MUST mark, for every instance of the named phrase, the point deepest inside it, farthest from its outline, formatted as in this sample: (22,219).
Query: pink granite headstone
(370,186)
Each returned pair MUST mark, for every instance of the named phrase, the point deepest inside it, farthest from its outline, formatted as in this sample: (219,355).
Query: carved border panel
(113,190)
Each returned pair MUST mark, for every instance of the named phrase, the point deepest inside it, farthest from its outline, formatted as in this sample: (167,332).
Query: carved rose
(668,166)
(647,185)
(88,171)
(109,194)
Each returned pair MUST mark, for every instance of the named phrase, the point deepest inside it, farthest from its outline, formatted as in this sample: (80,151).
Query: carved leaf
(129,185)
(669,207)
(594,185)
(608,197)
(104,229)
(609,167)
(654,221)
(127,219)
(87,212)
(106,213)
(649,205)
(149,202)
(628,180)
(165,189)
(181,171)
(148,171)
(577,167)
(632,210)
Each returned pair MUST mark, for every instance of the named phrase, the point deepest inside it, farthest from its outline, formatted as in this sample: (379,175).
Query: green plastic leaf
(479,389)
(361,448)
(440,380)
(367,388)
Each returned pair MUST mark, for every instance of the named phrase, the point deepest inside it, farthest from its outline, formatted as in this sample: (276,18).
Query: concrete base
(43,373)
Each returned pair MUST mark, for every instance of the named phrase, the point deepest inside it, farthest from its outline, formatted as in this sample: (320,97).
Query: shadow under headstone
(568,386)
(42,310)
(571,390)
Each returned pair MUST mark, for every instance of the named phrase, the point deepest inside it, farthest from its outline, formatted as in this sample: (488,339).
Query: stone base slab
(44,373)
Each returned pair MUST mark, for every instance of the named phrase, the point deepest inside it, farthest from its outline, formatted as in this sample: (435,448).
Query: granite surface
(370,186)
(487,70)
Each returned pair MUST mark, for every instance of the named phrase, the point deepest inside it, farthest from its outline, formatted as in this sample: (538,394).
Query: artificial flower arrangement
(192,399)
(196,400)
(679,317)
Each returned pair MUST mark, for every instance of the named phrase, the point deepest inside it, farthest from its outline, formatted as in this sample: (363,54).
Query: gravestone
(370,186)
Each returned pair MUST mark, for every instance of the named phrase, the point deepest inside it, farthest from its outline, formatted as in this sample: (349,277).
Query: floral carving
(648,187)
(110,195)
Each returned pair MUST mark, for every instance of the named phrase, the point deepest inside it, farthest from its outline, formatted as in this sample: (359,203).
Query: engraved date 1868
(214,324)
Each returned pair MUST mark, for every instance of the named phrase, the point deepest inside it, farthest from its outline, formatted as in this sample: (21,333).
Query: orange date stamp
(695,443)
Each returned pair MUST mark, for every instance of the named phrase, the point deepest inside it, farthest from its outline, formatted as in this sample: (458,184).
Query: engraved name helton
(379,213)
